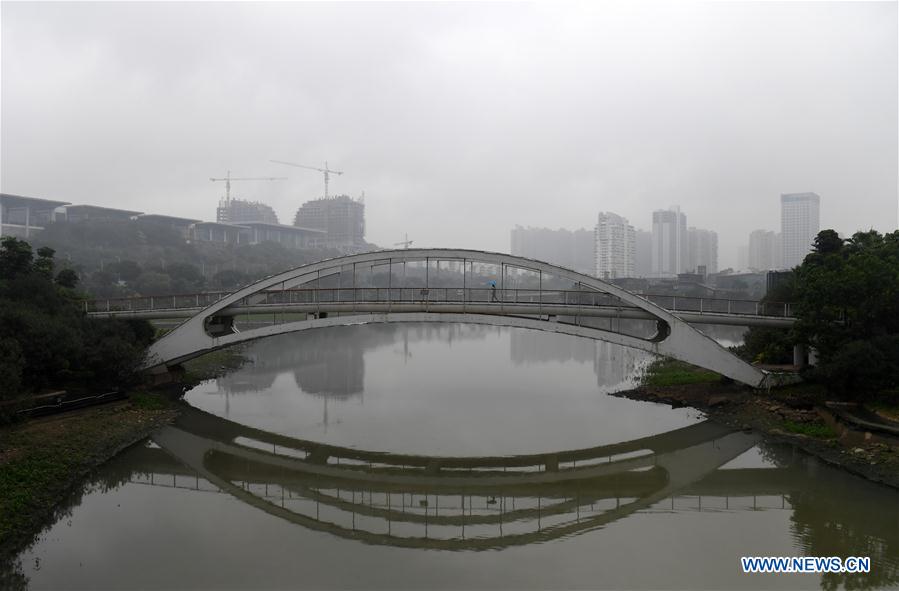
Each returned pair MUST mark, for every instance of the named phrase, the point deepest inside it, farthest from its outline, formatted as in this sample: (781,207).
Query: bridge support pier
(162,375)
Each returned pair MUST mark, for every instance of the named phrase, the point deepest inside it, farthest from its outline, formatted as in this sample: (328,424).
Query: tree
(847,298)
(67,278)
(11,365)
(47,340)
(153,283)
(126,270)
(827,242)
(44,262)
(185,277)
(771,345)
(229,279)
(15,257)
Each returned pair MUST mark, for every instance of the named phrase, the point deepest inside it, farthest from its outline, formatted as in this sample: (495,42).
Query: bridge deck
(451,300)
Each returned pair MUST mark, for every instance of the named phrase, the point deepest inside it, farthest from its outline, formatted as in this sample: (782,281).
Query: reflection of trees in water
(114,473)
(836,514)
(11,575)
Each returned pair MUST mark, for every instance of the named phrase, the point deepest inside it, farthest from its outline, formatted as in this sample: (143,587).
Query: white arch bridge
(456,286)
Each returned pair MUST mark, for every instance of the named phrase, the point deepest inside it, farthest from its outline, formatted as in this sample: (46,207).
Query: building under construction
(238,211)
(341,217)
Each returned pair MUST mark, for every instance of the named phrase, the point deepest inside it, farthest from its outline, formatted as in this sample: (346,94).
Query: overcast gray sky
(460,120)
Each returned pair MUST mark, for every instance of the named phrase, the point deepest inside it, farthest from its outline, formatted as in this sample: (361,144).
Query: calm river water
(431,456)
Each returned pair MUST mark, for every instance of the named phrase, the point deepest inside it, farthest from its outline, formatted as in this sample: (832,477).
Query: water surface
(242,492)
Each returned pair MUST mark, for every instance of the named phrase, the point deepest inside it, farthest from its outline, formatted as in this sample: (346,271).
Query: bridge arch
(462,303)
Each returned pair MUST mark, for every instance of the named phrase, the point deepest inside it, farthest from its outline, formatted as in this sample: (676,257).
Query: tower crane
(228,180)
(405,243)
(326,171)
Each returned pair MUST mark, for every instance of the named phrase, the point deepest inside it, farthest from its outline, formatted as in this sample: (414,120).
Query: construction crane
(326,171)
(228,180)
(405,243)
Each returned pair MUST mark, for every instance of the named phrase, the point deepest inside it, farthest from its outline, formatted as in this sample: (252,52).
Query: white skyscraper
(669,242)
(614,247)
(799,224)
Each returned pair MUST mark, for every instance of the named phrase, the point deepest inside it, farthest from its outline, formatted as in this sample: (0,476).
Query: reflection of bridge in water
(454,503)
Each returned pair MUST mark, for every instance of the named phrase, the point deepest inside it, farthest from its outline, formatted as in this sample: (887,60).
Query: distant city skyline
(460,120)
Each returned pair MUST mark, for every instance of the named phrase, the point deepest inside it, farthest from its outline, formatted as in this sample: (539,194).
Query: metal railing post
(540,293)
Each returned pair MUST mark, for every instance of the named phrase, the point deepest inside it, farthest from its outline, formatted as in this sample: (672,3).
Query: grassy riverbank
(794,414)
(670,372)
(43,460)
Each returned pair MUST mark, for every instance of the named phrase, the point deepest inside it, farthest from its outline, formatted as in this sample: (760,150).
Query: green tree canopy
(849,291)
(46,340)
(847,296)
(846,301)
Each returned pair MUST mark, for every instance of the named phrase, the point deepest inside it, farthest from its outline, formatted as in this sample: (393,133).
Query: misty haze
(449,295)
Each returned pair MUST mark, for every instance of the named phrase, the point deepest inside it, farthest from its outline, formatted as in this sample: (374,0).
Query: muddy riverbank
(795,415)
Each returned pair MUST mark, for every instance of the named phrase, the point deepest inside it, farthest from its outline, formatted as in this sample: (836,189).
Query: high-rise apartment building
(643,253)
(614,248)
(765,251)
(702,251)
(669,242)
(341,217)
(237,211)
(799,224)
(573,250)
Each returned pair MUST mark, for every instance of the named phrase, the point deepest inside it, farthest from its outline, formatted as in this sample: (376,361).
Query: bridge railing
(721,306)
(431,294)
(515,296)
(548,297)
(159,302)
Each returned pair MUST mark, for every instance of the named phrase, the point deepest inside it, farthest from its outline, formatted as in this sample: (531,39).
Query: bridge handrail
(580,297)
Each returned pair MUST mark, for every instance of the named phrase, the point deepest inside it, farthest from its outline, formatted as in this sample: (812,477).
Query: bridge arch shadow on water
(455,286)
(452,503)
